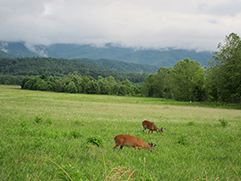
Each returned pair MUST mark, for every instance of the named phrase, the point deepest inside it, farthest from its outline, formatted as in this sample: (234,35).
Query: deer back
(132,141)
(149,125)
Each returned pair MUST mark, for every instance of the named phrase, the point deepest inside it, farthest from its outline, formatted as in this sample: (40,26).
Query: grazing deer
(132,141)
(151,126)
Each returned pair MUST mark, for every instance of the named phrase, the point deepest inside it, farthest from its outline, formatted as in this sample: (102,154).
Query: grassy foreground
(60,136)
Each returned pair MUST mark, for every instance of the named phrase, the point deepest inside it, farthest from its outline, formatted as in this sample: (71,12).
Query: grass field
(60,136)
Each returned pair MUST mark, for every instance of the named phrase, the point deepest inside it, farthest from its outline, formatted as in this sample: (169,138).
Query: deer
(132,141)
(151,126)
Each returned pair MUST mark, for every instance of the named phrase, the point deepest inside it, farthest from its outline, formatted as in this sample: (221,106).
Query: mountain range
(155,57)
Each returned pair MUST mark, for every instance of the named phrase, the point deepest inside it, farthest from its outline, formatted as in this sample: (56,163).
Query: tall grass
(59,136)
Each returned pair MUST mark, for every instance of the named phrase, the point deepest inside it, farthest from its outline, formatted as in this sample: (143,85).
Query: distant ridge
(158,58)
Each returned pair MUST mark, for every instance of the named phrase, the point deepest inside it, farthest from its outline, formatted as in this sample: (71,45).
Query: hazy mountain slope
(5,55)
(159,58)
(17,49)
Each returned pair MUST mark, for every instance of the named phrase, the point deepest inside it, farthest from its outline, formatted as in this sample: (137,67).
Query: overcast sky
(189,24)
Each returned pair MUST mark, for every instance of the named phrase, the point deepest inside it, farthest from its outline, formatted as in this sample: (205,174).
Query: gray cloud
(196,24)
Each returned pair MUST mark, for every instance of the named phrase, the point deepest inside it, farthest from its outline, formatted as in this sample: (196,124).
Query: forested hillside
(121,66)
(166,57)
(61,67)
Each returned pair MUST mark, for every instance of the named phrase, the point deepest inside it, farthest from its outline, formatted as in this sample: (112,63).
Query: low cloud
(197,24)
(35,49)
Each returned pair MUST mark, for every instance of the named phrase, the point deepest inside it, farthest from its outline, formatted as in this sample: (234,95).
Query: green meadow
(60,136)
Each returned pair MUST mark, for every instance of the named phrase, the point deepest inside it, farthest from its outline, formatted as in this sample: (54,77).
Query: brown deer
(132,141)
(151,126)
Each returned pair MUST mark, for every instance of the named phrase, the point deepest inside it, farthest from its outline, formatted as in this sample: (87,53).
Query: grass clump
(38,119)
(95,140)
(191,123)
(77,122)
(223,122)
(182,139)
(73,173)
(75,134)
(49,121)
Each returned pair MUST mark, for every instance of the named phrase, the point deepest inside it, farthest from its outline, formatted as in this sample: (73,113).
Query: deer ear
(154,145)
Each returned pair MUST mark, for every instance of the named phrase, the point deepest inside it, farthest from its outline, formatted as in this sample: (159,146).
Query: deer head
(162,130)
(152,145)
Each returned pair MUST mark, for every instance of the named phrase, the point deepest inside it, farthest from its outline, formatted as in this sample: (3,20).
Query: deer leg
(149,131)
(144,129)
(117,145)
(121,147)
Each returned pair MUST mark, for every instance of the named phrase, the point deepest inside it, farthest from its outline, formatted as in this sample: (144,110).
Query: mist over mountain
(156,57)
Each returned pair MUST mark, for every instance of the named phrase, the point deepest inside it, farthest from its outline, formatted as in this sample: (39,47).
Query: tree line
(74,83)
(188,81)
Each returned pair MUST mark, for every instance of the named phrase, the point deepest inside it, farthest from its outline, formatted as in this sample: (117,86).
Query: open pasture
(60,136)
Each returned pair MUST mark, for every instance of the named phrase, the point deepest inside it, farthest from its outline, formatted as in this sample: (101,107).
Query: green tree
(123,89)
(40,84)
(58,85)
(84,81)
(164,83)
(225,72)
(115,89)
(148,88)
(127,85)
(104,85)
(92,87)
(24,80)
(71,87)
(188,80)
(112,83)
